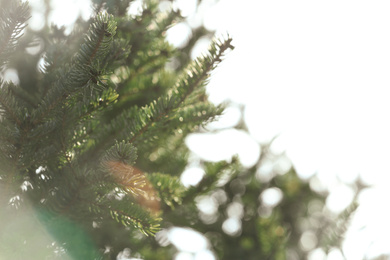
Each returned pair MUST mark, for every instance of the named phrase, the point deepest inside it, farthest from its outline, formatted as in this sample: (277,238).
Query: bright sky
(317,73)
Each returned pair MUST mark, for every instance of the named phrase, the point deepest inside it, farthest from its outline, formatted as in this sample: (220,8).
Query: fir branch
(169,188)
(193,77)
(127,218)
(128,214)
(9,109)
(12,24)
(25,98)
(158,115)
(197,114)
(167,155)
(60,50)
(122,152)
(147,63)
(153,46)
(83,69)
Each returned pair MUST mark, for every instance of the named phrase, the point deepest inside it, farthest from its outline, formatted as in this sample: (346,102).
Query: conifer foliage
(81,135)
(92,147)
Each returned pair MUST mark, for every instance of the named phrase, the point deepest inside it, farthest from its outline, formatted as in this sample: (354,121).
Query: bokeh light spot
(186,239)
(271,196)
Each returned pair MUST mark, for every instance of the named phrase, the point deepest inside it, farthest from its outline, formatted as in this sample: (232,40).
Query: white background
(317,74)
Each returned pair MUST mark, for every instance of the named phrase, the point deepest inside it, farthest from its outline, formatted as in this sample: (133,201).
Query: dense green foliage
(92,145)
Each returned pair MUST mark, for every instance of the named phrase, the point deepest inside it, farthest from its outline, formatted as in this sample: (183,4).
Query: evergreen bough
(74,139)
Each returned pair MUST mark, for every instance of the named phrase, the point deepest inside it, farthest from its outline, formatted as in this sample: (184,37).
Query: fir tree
(92,143)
